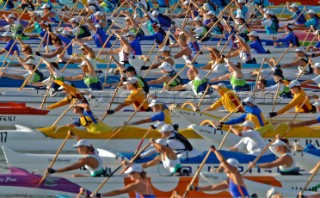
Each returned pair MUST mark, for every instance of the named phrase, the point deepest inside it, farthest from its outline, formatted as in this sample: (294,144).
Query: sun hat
(248,99)
(165,49)
(253,33)
(233,162)
(294,83)
(155,102)
(166,128)
(166,66)
(130,80)
(279,143)
(134,168)
(248,124)
(82,142)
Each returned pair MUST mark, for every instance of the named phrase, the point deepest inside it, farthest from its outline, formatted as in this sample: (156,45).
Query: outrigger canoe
(19,182)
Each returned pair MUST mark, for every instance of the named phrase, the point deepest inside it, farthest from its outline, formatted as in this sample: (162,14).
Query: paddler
(316,80)
(29,65)
(140,186)
(294,8)
(88,120)
(136,97)
(228,99)
(284,90)
(243,51)
(177,142)
(252,113)
(8,39)
(251,139)
(89,75)
(91,161)
(235,182)
(285,162)
(198,83)
(167,157)
(58,49)
(161,115)
(165,57)
(235,76)
(15,26)
(299,96)
(305,123)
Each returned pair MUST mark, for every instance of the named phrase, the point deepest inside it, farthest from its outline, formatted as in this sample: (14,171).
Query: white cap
(126,18)
(294,83)
(253,33)
(130,80)
(316,104)
(62,87)
(233,62)
(248,99)
(129,34)
(83,63)
(165,66)
(166,128)
(161,141)
(248,124)
(317,65)
(165,49)
(155,13)
(99,13)
(279,143)
(46,5)
(205,7)
(82,142)
(266,23)
(239,16)
(134,168)
(311,12)
(210,13)
(237,41)
(90,1)
(270,192)
(219,86)
(269,12)
(12,16)
(66,32)
(97,26)
(7,34)
(299,49)
(198,18)
(92,8)
(186,2)
(233,162)
(76,20)
(265,9)
(30,61)
(155,102)
(241,1)
(294,5)
(35,13)
(86,44)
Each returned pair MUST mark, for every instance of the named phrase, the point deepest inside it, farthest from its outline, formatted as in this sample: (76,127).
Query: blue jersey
(248,110)
(136,46)
(236,190)
(157,37)
(100,38)
(194,46)
(289,38)
(257,47)
(301,19)
(14,48)
(313,21)
(164,21)
(65,41)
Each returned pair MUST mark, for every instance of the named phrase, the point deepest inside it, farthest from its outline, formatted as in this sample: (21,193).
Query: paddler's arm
(182,52)
(220,78)
(153,162)
(214,106)
(295,63)
(74,166)
(305,123)
(283,160)
(74,78)
(307,82)
(236,131)
(177,88)
(237,120)
(292,103)
(128,188)
(51,55)
(88,49)
(159,80)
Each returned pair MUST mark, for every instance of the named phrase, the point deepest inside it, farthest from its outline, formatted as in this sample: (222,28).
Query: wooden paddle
(230,113)
(282,11)
(225,9)
(74,8)
(4,7)
(104,45)
(112,99)
(107,71)
(64,113)
(315,36)
(131,161)
(142,140)
(309,181)
(285,134)
(185,18)
(197,173)
(208,32)
(194,58)
(114,42)
(295,20)
(134,113)
(42,40)
(31,74)
(55,157)
(258,77)
(8,63)
(305,38)
(224,138)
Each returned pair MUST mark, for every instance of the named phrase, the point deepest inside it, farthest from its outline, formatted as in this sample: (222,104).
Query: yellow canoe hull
(127,132)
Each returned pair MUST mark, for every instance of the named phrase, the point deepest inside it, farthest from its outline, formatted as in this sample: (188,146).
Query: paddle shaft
(104,45)
(309,180)
(197,173)
(114,42)
(295,20)
(8,63)
(107,71)
(258,77)
(305,38)
(142,140)
(45,35)
(55,157)
(229,114)
(60,117)
(208,32)
(282,12)
(224,138)
(185,17)
(315,36)
(74,8)
(112,99)
(203,95)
